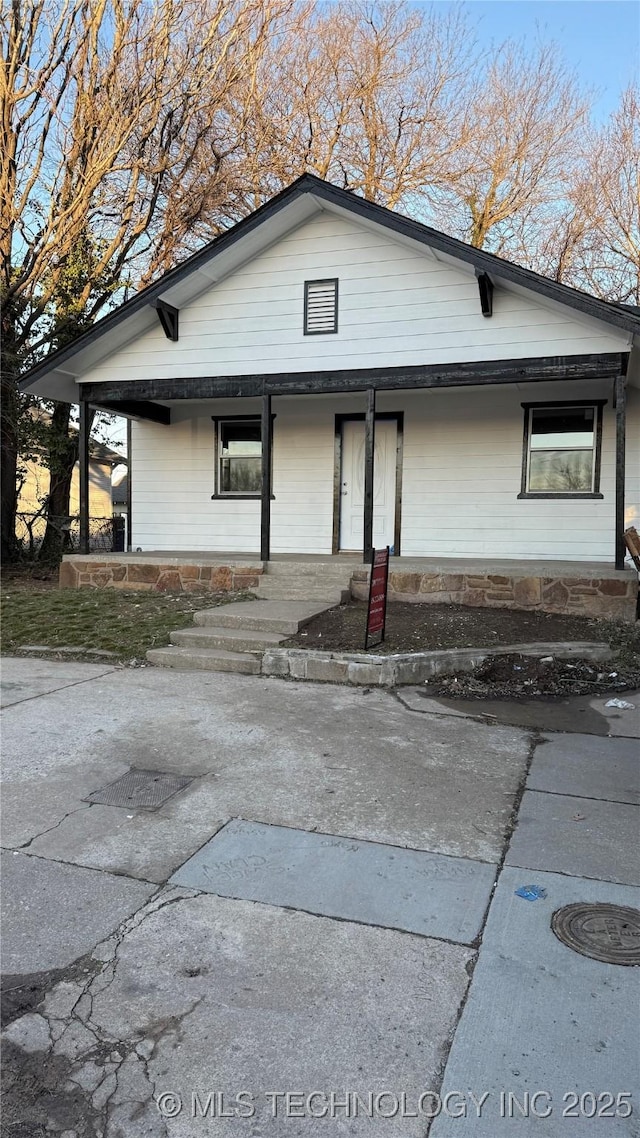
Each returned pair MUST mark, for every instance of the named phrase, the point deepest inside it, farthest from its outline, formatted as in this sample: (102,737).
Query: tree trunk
(9,443)
(9,469)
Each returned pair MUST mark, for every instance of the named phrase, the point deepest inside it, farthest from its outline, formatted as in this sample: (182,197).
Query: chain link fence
(106,535)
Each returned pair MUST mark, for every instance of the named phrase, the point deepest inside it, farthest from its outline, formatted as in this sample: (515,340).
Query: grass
(113,620)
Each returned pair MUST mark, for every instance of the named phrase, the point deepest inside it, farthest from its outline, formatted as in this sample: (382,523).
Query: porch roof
(145,398)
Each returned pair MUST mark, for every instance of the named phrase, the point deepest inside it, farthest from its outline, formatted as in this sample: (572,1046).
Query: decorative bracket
(168,317)
(485,288)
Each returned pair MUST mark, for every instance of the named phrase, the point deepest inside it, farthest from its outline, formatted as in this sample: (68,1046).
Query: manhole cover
(140,788)
(610,933)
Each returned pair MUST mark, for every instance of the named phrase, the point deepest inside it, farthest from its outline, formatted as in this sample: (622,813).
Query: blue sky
(600,39)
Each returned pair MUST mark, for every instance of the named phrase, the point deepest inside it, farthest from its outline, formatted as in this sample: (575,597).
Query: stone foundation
(170,576)
(612,597)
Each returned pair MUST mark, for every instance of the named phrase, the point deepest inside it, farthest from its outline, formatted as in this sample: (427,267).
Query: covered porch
(570,587)
(466,527)
(434,483)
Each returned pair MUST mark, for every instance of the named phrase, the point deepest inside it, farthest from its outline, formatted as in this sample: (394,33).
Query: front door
(352,484)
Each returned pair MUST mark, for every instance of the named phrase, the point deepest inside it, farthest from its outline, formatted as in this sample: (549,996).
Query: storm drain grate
(610,933)
(140,788)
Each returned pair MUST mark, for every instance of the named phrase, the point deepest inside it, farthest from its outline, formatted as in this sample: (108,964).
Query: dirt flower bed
(423,628)
(523,677)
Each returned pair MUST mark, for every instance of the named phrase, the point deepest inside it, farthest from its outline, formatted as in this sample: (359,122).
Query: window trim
(597,405)
(230,495)
(320,331)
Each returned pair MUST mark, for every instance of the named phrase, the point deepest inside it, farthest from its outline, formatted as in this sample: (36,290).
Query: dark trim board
(359,417)
(599,366)
(369,464)
(129,485)
(621,418)
(265,490)
(533,495)
(138,409)
(83,489)
(586,402)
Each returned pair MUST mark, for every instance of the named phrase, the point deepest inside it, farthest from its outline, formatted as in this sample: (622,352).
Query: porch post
(83,462)
(621,408)
(265,497)
(369,452)
(129,441)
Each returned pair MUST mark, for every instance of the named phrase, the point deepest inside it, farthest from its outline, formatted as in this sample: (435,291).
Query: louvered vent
(320,307)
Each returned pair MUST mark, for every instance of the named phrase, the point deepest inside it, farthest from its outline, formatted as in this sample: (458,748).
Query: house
(329,376)
(34,489)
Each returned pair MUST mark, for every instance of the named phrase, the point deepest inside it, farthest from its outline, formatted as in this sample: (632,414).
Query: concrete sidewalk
(271,983)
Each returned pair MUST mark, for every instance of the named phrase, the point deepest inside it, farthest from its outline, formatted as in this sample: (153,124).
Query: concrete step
(229,639)
(204,660)
(286,617)
(327,570)
(300,591)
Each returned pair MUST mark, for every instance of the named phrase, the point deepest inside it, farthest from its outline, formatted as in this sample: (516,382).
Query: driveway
(303,909)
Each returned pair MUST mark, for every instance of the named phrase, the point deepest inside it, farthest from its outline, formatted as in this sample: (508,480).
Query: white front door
(352,484)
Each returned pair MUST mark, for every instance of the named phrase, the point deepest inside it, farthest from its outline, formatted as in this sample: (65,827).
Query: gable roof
(287,210)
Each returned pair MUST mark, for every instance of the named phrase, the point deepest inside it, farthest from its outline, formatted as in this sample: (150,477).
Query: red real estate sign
(377,610)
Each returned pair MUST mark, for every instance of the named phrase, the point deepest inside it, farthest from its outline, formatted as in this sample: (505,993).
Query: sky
(600,39)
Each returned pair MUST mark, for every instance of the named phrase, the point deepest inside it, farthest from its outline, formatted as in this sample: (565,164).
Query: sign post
(377,608)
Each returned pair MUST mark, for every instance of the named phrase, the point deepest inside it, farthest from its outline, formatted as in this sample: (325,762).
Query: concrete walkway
(320,930)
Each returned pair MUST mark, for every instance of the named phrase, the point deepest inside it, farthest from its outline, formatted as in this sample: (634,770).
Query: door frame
(393,416)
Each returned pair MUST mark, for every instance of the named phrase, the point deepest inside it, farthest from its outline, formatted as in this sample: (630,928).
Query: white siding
(462,473)
(461,478)
(397,306)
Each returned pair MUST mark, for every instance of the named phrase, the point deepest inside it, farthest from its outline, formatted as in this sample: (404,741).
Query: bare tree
(608,195)
(591,238)
(104,104)
(367,95)
(523,138)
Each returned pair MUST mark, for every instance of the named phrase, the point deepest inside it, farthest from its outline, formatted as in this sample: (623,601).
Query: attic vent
(320,307)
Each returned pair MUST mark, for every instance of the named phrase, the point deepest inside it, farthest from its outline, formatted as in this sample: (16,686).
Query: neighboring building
(120,493)
(253,370)
(34,486)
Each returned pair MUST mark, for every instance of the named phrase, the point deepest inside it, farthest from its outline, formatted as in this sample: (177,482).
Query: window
(320,307)
(562,450)
(239,456)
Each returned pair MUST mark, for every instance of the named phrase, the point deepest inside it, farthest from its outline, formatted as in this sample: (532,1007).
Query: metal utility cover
(147,789)
(610,933)
(430,894)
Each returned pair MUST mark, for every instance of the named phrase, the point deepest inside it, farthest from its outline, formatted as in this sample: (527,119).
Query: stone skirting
(613,597)
(170,576)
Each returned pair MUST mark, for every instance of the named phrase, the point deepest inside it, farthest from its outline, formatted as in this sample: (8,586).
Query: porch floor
(512,567)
